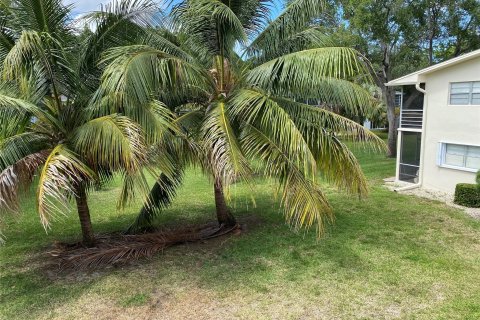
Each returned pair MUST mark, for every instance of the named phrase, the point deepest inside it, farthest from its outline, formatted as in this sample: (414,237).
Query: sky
(82,6)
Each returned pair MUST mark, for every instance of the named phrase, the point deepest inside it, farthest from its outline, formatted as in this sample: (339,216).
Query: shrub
(468,195)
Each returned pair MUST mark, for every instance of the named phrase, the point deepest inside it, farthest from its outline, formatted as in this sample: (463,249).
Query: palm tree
(243,109)
(56,128)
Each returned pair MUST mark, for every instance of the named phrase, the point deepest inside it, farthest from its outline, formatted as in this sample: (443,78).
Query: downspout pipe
(420,178)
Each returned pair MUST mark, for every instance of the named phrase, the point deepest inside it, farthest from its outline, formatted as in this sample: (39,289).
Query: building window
(459,156)
(398,99)
(465,93)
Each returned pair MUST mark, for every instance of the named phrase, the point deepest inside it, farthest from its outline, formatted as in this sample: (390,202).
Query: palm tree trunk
(224,216)
(84,215)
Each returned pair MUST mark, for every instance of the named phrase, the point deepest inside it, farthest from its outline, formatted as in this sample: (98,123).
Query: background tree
(400,37)
(380,23)
(450,28)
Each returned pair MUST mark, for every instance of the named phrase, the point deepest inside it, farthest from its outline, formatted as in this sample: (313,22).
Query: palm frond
(159,198)
(114,142)
(16,177)
(308,38)
(305,205)
(225,156)
(57,184)
(7,35)
(257,108)
(161,39)
(135,73)
(302,66)
(118,249)
(331,75)
(313,121)
(134,188)
(10,106)
(210,24)
(119,23)
(18,146)
(48,16)
(297,15)
(40,50)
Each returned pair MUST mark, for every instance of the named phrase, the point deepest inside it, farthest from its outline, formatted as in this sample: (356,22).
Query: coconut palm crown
(236,81)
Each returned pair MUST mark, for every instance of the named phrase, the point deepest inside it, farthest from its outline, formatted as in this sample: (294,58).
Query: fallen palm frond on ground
(115,249)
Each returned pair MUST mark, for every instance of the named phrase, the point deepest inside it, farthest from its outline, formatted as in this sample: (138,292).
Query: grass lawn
(390,256)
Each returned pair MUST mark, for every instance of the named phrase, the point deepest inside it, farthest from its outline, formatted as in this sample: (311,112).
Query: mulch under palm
(116,249)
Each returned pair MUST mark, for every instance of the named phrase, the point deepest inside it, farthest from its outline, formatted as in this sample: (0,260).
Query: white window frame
(442,150)
(469,95)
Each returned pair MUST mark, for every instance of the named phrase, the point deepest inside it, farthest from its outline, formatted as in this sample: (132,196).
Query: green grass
(386,257)
(382,133)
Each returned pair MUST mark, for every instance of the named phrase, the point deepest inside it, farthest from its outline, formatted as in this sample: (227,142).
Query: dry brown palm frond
(118,249)
(18,176)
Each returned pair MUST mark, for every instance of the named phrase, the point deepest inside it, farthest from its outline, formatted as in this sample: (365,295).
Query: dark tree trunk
(389,98)
(392,122)
(223,214)
(84,215)
(430,50)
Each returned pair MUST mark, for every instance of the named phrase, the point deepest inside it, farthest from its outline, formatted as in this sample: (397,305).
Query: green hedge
(468,195)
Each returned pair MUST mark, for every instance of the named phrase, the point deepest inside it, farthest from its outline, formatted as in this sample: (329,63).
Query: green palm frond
(48,16)
(121,23)
(296,16)
(257,108)
(114,142)
(211,24)
(10,106)
(310,135)
(33,85)
(304,203)
(311,37)
(136,72)
(134,188)
(159,198)
(225,157)
(31,50)
(7,35)
(313,121)
(164,40)
(58,180)
(300,67)
(331,75)
(155,119)
(253,14)
(16,147)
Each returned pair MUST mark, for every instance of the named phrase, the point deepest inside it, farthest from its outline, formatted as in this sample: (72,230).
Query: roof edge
(413,77)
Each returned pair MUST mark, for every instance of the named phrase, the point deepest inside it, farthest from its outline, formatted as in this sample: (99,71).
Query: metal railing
(411,118)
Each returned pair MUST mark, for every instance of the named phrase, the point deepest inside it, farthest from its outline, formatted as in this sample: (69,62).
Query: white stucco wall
(446,123)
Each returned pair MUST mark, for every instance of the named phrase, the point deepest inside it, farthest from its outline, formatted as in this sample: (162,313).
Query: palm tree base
(84,216)
(224,216)
(117,249)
